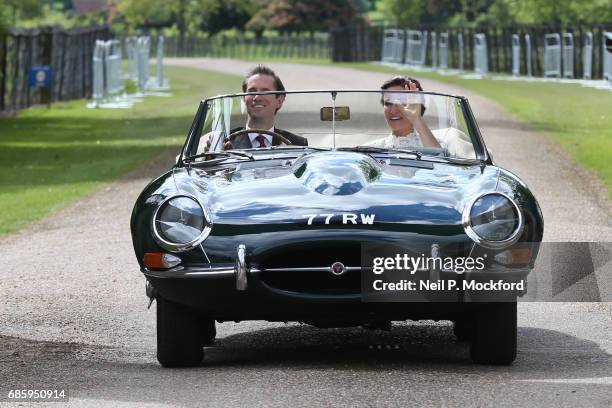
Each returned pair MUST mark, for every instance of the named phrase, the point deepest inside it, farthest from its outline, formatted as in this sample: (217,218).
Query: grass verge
(579,118)
(51,157)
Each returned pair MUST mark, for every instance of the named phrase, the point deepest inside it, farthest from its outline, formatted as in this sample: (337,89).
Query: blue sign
(40,76)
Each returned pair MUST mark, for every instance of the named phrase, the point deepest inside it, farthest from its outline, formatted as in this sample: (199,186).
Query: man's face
(262,106)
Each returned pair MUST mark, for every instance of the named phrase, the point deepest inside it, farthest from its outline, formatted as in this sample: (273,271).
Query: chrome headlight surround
(493,244)
(184,246)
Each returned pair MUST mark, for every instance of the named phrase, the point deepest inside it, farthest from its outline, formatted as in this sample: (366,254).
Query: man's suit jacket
(244,142)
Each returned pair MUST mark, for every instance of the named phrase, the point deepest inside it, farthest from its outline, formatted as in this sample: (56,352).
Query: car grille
(313,260)
(314,281)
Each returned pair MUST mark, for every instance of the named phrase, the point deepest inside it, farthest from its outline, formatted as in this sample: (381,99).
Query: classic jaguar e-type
(314,233)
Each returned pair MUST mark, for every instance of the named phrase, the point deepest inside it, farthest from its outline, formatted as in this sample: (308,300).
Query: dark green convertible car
(373,221)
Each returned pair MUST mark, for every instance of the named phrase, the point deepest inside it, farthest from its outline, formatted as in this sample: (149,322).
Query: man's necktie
(262,140)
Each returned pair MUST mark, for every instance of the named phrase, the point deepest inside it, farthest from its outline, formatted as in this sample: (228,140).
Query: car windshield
(427,123)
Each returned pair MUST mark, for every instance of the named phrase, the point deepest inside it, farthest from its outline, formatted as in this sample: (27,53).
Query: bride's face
(395,113)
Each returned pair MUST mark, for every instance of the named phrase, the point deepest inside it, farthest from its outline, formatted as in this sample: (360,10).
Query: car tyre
(463,328)
(177,336)
(206,331)
(494,334)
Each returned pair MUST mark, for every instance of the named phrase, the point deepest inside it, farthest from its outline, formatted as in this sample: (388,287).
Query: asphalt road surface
(73,312)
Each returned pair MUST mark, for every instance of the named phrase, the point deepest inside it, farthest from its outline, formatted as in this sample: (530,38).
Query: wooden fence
(67,52)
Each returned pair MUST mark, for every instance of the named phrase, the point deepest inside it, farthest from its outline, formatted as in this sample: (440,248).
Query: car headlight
(493,220)
(180,223)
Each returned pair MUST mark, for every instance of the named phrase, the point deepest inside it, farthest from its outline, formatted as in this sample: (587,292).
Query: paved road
(72,310)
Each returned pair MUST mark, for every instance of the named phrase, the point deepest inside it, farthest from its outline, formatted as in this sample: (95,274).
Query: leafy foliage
(304,15)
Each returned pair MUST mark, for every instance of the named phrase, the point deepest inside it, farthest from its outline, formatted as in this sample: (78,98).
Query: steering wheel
(275,136)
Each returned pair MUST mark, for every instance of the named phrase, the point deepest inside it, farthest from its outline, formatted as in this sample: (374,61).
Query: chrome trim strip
(192,273)
(172,246)
(240,268)
(313,269)
(228,273)
(467,224)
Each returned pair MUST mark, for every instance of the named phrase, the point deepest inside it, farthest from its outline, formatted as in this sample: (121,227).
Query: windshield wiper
(227,153)
(374,149)
(460,160)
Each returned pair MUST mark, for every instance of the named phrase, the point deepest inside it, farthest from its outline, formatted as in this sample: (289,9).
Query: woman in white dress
(404,116)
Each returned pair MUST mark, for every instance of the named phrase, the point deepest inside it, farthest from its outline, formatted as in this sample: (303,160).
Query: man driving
(261,113)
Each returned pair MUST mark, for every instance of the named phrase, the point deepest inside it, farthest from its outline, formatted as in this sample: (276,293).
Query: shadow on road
(270,360)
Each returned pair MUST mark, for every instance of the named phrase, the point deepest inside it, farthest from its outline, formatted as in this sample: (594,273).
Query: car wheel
(206,331)
(494,334)
(463,328)
(177,337)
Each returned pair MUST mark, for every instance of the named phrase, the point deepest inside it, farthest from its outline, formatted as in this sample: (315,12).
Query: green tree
(403,12)
(560,11)
(148,13)
(305,15)
(218,15)
(13,11)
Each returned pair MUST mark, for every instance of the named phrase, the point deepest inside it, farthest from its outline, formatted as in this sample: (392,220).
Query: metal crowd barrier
(481,64)
(114,74)
(443,51)
(528,54)
(393,46)
(107,76)
(98,73)
(130,46)
(160,62)
(434,49)
(143,49)
(607,56)
(460,48)
(416,42)
(516,55)
(552,55)
(568,55)
(587,56)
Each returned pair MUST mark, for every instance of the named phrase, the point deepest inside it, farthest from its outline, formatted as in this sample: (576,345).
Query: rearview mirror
(342,113)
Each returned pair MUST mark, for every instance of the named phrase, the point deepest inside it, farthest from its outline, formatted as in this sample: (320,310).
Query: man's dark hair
(401,81)
(263,70)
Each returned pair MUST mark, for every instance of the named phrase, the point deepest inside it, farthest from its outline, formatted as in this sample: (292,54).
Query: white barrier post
(398,56)
(388,45)
(160,62)
(434,49)
(414,45)
(552,55)
(130,47)
(393,46)
(114,76)
(460,48)
(443,54)
(98,73)
(607,56)
(424,35)
(481,63)
(587,56)
(516,55)
(528,54)
(568,55)
(143,49)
